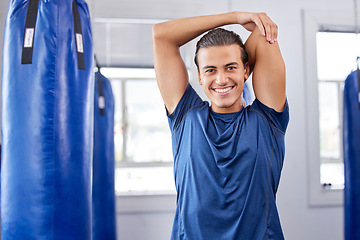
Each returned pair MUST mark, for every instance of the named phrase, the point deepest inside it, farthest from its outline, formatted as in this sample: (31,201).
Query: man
(227,157)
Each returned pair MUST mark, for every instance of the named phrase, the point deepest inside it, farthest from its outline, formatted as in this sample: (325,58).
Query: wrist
(234,17)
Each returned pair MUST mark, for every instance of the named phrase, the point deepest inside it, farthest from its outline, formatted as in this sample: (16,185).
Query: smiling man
(227,157)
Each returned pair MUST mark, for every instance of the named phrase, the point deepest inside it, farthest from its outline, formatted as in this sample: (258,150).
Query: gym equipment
(47,121)
(351,141)
(104,215)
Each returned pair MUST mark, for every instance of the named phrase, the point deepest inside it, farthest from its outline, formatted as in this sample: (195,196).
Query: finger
(268,31)
(275,33)
(260,25)
(270,28)
(263,23)
(273,29)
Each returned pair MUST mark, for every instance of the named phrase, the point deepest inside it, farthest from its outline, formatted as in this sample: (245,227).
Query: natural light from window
(142,137)
(336,58)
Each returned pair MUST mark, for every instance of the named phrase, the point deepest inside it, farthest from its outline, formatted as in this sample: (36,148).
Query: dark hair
(220,37)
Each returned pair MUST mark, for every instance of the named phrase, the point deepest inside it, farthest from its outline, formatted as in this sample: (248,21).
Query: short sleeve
(189,100)
(279,120)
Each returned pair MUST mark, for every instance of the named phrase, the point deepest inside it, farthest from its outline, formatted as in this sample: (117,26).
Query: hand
(252,20)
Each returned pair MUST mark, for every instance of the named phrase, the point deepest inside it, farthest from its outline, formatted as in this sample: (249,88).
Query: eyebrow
(232,63)
(206,67)
(226,65)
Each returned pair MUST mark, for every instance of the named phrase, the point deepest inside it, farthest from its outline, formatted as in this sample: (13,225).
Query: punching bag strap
(29,32)
(78,37)
(101,100)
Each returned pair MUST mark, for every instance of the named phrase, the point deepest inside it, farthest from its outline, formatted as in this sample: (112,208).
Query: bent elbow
(158,31)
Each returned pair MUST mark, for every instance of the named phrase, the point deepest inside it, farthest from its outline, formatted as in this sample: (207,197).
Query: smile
(222,90)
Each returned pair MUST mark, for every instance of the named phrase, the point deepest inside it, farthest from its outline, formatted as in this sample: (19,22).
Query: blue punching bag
(351,141)
(104,215)
(47,121)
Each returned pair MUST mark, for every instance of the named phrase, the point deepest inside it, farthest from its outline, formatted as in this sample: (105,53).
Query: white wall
(140,217)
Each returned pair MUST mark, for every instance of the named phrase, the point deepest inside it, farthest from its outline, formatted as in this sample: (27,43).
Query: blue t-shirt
(227,169)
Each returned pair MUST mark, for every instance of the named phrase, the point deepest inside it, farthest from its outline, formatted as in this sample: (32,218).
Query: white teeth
(222,90)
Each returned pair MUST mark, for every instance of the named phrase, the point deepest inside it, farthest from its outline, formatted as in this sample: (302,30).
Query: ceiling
(122,43)
(122,30)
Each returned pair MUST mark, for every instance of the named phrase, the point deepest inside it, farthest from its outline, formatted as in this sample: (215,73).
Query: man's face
(222,75)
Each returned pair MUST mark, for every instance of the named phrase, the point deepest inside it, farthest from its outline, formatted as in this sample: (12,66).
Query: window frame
(313,22)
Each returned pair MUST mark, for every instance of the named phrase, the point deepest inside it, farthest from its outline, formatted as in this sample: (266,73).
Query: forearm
(181,31)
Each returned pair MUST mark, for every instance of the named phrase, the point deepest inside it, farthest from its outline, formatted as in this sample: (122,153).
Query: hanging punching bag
(104,215)
(47,121)
(351,141)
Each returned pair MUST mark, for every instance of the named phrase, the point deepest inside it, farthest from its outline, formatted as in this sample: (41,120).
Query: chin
(229,105)
(226,107)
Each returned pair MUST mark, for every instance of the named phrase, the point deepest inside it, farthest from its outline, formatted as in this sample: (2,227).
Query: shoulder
(190,103)
(277,120)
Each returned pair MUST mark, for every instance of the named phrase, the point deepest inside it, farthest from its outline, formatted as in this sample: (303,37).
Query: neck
(228,109)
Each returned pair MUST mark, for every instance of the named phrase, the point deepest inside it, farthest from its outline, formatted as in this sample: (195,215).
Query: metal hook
(97,63)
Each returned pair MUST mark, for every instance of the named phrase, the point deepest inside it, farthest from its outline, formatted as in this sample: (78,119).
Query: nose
(221,79)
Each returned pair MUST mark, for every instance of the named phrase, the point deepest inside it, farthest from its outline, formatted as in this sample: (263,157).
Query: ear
(200,81)
(247,71)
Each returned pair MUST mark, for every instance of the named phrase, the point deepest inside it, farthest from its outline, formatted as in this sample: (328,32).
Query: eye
(231,68)
(210,70)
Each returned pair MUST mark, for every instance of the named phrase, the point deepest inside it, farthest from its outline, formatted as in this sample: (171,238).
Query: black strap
(101,99)
(29,32)
(78,37)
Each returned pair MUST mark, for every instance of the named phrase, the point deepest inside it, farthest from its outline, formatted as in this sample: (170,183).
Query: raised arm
(268,68)
(168,37)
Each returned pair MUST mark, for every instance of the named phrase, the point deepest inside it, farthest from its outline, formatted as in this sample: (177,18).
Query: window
(336,55)
(330,116)
(142,137)
(330,55)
